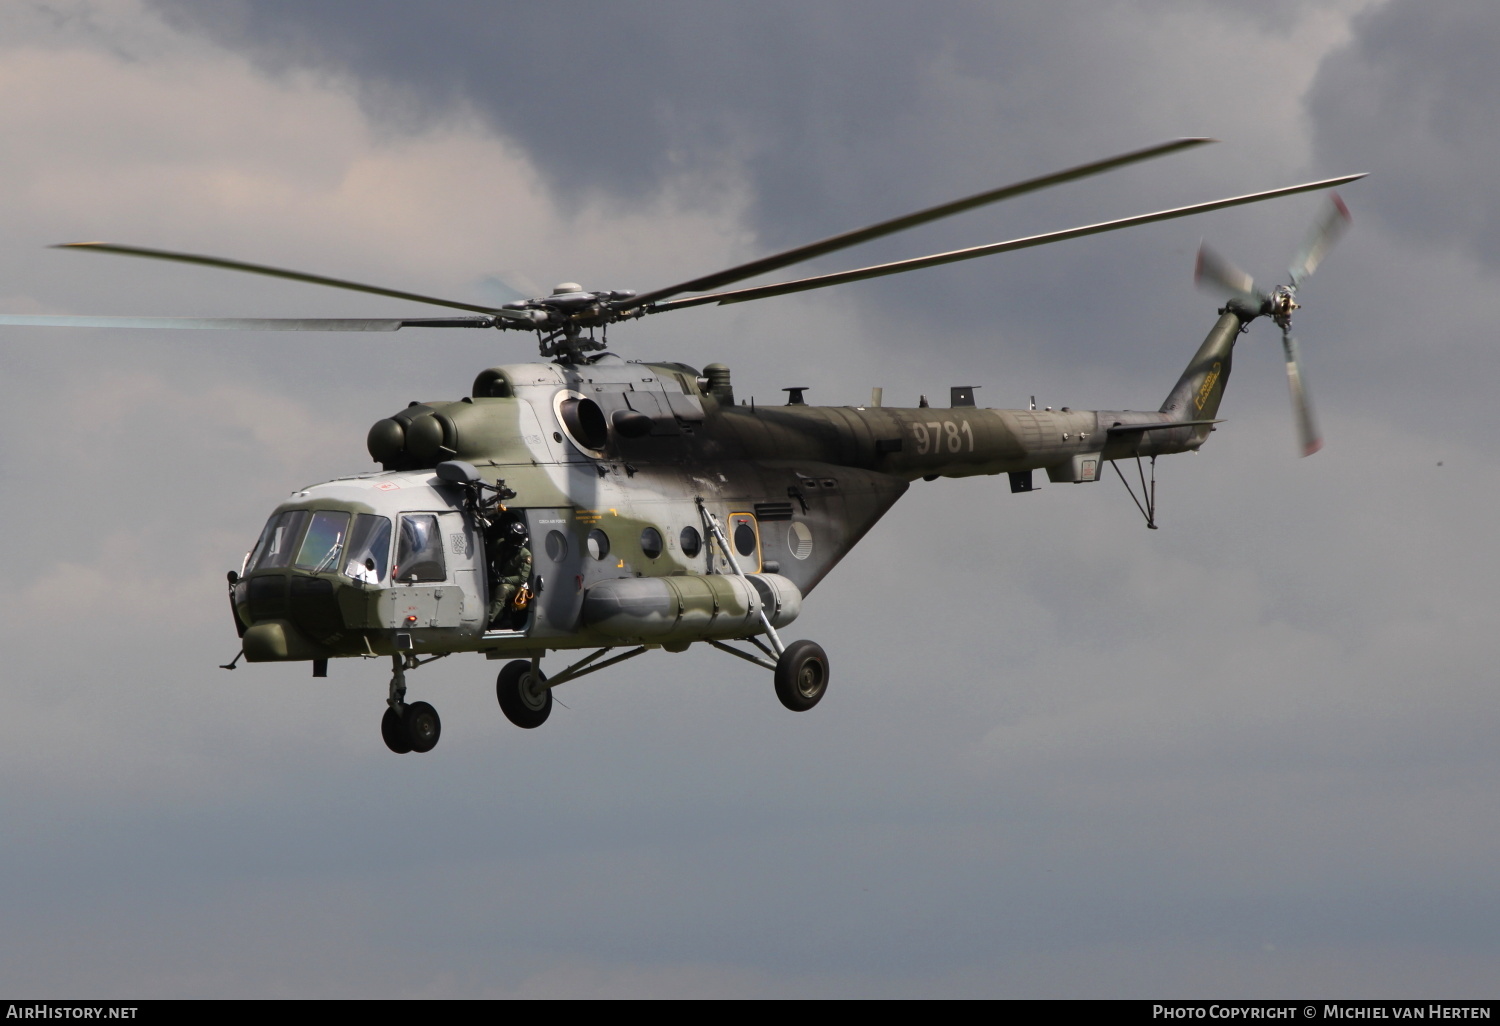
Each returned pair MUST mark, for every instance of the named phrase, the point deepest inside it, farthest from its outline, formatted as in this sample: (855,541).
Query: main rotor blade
(246,323)
(1307,428)
(279,272)
(953,256)
(875,231)
(1320,239)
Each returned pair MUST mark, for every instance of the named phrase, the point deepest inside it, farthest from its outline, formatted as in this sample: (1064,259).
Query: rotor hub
(1282,303)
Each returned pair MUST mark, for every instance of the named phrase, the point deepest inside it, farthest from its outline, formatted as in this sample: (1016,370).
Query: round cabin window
(690,541)
(651,542)
(557,546)
(744,538)
(598,544)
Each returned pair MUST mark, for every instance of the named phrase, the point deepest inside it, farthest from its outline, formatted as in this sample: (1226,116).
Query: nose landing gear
(408,728)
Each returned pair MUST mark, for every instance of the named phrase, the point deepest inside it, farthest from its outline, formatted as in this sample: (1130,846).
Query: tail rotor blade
(1307,428)
(1326,231)
(1217,274)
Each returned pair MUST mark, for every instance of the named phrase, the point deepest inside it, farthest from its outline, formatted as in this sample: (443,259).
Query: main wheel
(525,700)
(393,730)
(423,728)
(801,675)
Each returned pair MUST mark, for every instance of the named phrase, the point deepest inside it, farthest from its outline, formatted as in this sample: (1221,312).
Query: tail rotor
(1218,275)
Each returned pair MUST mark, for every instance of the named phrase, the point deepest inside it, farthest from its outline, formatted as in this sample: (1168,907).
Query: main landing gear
(801,669)
(524,696)
(801,675)
(408,728)
(525,692)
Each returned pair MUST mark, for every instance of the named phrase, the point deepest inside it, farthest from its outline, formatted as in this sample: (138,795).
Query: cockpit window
(369,549)
(323,541)
(419,553)
(275,546)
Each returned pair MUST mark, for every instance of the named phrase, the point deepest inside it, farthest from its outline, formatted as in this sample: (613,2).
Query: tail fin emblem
(1208,386)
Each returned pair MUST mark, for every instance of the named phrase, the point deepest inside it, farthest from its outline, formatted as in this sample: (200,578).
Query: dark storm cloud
(837,112)
(618,97)
(1414,99)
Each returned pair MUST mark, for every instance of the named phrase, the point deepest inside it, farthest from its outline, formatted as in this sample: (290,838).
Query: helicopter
(592,503)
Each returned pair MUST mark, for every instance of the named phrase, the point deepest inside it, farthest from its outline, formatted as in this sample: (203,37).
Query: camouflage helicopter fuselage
(646,508)
(616,467)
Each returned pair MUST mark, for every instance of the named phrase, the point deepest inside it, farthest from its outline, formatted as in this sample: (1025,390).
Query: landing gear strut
(801,668)
(408,728)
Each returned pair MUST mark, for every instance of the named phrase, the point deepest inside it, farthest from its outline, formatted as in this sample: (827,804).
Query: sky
(1249,754)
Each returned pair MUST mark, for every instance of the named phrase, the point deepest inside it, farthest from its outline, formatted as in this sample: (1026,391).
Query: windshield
(324,538)
(419,553)
(275,546)
(369,549)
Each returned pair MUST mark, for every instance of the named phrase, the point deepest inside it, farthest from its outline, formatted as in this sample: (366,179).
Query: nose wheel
(393,730)
(408,728)
(411,728)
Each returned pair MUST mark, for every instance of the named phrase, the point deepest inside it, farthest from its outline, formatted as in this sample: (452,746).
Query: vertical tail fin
(1197,394)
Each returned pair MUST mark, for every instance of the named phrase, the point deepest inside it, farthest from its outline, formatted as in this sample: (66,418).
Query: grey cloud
(1414,100)
(616,97)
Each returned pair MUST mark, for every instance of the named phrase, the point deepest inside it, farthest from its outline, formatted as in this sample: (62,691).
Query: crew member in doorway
(508,551)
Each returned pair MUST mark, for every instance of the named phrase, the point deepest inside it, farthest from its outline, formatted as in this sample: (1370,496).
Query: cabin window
(557,546)
(274,550)
(691,542)
(323,541)
(651,543)
(598,544)
(744,535)
(369,549)
(419,552)
(744,538)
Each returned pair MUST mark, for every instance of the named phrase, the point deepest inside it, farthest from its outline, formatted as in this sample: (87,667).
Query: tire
(801,675)
(524,705)
(393,730)
(423,727)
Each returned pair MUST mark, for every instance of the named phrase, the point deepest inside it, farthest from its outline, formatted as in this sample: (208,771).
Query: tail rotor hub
(1281,304)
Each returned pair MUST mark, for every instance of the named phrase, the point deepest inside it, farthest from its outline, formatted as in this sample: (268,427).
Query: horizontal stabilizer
(1125,429)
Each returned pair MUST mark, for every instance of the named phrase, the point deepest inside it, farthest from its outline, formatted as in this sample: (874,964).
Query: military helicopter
(589,502)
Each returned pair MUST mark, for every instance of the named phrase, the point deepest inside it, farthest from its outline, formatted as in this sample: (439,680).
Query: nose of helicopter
(287,616)
(287,599)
